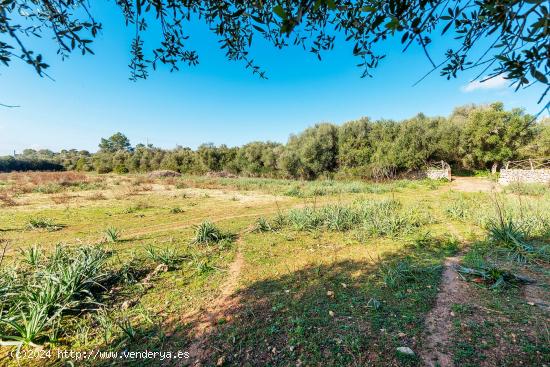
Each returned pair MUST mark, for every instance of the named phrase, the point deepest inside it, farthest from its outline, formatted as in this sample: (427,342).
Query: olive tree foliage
(259,158)
(472,138)
(492,136)
(496,37)
(354,146)
(540,145)
(314,152)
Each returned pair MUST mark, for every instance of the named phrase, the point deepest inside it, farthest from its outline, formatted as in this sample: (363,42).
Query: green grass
(334,272)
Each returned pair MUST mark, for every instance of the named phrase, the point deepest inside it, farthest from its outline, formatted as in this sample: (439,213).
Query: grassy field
(249,272)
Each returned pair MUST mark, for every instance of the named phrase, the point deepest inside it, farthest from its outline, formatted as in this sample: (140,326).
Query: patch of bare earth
(222,307)
(438,335)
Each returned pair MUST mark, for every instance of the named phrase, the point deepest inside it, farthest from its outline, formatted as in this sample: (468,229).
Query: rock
(221,361)
(331,313)
(128,303)
(406,350)
(330,294)
(401,335)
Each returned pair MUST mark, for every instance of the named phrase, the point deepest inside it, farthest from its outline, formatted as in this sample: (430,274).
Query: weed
(505,231)
(176,210)
(527,189)
(61,199)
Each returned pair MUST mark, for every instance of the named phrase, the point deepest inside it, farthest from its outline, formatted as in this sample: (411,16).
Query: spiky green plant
(32,255)
(513,236)
(493,276)
(207,232)
(167,256)
(43,224)
(262,225)
(112,234)
(394,273)
(339,217)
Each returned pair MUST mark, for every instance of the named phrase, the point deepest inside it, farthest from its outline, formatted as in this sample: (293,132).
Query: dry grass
(7,200)
(97,196)
(61,199)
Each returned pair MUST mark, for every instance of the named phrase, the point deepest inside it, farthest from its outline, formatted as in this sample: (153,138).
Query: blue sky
(219,101)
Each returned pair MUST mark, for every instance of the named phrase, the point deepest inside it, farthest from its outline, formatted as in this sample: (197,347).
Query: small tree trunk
(494,168)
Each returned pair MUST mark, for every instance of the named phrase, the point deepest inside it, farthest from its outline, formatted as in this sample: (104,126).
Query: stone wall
(439,174)
(508,176)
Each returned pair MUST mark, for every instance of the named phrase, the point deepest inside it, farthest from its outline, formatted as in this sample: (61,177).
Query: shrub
(120,169)
(176,210)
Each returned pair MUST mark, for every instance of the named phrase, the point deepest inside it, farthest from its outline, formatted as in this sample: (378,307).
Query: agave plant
(34,303)
(43,224)
(32,255)
(207,232)
(112,234)
(167,256)
(262,225)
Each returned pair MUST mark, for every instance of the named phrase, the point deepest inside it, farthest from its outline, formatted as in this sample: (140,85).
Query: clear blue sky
(219,101)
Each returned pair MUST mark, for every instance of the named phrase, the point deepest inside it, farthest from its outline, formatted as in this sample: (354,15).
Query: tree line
(473,137)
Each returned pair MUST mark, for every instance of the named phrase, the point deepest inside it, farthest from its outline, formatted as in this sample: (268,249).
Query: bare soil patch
(221,308)
(438,336)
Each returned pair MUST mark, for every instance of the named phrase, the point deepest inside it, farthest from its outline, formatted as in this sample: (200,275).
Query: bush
(120,169)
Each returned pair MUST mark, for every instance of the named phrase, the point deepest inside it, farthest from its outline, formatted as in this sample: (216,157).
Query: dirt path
(474,184)
(439,321)
(221,307)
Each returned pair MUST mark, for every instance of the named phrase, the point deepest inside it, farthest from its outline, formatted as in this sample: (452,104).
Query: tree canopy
(496,37)
(472,138)
(115,143)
